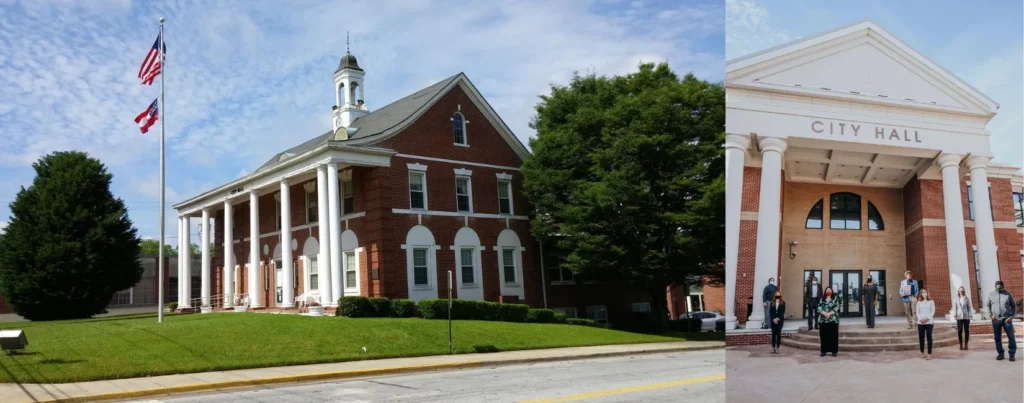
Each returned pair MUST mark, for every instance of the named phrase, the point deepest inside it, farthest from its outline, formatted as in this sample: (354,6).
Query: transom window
(815,217)
(417,190)
(844,211)
(347,199)
(462,197)
(459,128)
(1018,208)
(508,264)
(419,266)
(504,197)
(467,266)
(350,269)
(875,222)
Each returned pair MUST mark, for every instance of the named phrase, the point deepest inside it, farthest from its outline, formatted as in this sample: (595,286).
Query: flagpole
(162,117)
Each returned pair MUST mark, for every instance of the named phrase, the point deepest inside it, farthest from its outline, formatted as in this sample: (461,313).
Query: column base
(206,309)
(287,306)
(754,321)
(730,323)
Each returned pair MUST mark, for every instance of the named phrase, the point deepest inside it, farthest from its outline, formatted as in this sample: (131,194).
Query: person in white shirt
(925,321)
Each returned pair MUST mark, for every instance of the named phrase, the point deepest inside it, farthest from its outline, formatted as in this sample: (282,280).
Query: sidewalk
(169,384)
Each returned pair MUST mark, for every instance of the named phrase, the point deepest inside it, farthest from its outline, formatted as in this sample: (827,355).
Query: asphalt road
(693,377)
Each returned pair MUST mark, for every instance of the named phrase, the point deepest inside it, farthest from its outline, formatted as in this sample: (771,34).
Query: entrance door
(278,280)
(879,277)
(846,287)
(807,298)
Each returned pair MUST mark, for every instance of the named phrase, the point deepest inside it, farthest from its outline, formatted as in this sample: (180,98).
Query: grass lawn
(134,346)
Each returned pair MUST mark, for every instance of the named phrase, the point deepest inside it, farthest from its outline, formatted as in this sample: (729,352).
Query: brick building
(851,154)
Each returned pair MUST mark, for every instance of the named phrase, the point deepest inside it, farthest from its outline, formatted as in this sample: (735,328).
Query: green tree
(70,244)
(150,247)
(629,171)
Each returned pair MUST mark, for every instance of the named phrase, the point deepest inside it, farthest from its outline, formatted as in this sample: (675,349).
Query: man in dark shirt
(766,298)
(868,298)
(813,294)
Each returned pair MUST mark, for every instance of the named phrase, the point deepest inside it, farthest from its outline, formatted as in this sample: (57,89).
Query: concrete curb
(323,376)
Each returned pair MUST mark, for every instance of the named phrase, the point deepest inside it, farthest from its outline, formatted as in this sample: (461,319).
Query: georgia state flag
(148,118)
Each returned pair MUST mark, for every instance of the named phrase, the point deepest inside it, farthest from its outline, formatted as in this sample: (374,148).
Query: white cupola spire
(348,86)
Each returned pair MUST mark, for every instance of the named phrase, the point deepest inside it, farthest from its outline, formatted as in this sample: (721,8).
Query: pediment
(858,63)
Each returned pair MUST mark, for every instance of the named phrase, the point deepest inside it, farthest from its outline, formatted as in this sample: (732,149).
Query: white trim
(463,172)
(511,205)
(457,162)
(346,290)
(412,267)
(422,173)
(413,166)
(465,133)
(469,192)
(457,214)
(503,176)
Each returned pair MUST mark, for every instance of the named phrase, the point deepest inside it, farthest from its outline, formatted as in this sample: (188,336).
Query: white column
(984,235)
(768,216)
(735,151)
(204,249)
(335,228)
(956,241)
(324,257)
(180,260)
(187,302)
(229,261)
(287,293)
(255,291)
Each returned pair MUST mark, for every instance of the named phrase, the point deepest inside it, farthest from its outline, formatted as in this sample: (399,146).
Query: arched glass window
(844,211)
(874,219)
(459,128)
(814,218)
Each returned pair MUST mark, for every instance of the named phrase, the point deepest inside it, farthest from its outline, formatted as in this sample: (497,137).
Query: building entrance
(846,286)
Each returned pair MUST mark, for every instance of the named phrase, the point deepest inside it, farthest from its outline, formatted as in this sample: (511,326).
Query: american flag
(148,118)
(151,66)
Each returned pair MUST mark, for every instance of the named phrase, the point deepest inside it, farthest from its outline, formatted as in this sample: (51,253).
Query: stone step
(816,346)
(877,333)
(874,340)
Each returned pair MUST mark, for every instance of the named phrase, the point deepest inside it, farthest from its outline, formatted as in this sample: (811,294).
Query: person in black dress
(828,320)
(868,299)
(776,316)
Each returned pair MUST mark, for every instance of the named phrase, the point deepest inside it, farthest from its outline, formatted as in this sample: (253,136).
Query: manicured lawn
(123,347)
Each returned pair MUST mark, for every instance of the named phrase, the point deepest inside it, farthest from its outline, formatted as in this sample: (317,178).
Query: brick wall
(714,298)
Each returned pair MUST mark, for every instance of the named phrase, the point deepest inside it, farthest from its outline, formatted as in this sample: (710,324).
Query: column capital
(284,181)
(738,141)
(332,165)
(254,191)
(772,144)
(946,160)
(977,162)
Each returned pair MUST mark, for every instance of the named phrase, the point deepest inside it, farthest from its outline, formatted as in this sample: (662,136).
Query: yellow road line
(630,389)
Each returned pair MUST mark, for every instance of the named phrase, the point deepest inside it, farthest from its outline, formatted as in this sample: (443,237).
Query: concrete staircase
(881,338)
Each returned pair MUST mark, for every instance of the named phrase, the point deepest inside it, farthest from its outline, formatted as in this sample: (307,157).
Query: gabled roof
(859,62)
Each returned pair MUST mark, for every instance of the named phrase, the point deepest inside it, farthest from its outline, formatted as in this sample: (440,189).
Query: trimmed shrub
(381,307)
(403,308)
(432,308)
(354,307)
(173,306)
(580,321)
(472,310)
(513,312)
(560,318)
(540,316)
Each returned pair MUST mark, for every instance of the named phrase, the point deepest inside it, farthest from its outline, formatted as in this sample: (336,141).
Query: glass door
(846,288)
(807,297)
(879,277)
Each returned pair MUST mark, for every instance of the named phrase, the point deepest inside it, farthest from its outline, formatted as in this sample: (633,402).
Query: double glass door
(846,286)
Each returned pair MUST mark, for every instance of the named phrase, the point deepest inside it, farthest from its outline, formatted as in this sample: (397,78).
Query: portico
(850,154)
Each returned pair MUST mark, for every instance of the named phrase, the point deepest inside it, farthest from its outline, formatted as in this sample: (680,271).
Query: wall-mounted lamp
(792,255)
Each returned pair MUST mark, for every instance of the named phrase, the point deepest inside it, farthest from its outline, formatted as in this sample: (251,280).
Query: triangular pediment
(859,63)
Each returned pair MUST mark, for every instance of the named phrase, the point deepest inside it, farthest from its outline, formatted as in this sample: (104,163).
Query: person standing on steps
(962,315)
(777,315)
(868,299)
(908,290)
(1002,308)
(813,294)
(828,320)
(926,322)
(766,298)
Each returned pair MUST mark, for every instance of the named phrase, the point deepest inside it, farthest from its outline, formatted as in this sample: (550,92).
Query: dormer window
(459,128)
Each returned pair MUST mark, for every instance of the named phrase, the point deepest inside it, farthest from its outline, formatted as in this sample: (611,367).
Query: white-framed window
(505,197)
(641,307)
(459,129)
(463,195)
(468,265)
(311,210)
(347,198)
(278,280)
(314,273)
(351,266)
(418,190)
(569,312)
(560,275)
(508,265)
(598,313)
(421,273)
(970,203)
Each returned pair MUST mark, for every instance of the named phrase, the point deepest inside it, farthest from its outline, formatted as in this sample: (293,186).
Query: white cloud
(750,28)
(3,224)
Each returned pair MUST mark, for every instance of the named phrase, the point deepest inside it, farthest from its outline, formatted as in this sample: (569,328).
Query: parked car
(707,320)
(720,324)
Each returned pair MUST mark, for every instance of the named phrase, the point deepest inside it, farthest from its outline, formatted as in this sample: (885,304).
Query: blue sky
(247,79)
(981,44)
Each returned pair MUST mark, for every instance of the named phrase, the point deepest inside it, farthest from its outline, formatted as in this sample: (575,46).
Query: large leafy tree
(149,247)
(69,245)
(627,177)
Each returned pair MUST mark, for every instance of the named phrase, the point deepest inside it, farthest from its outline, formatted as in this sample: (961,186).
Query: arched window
(459,127)
(814,218)
(844,211)
(874,219)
